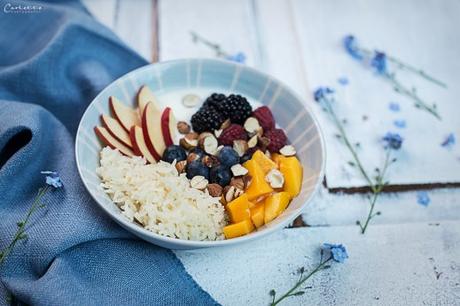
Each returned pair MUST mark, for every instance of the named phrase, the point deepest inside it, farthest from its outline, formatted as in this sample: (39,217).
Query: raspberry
(265,117)
(277,138)
(235,107)
(233,132)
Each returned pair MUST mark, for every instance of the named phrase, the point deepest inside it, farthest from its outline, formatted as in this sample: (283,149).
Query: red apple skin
(106,125)
(132,136)
(125,151)
(148,142)
(165,118)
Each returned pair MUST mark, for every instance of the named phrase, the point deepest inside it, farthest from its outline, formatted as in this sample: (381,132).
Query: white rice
(159,199)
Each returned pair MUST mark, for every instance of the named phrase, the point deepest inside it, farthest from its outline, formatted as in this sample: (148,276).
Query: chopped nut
(191,100)
(180,166)
(204,135)
(217,133)
(215,190)
(210,161)
(240,146)
(253,141)
(229,193)
(288,150)
(238,192)
(192,136)
(275,178)
(219,148)
(263,142)
(225,124)
(199,182)
(188,144)
(209,144)
(247,180)
(183,127)
(192,157)
(238,170)
(251,125)
(238,182)
(268,154)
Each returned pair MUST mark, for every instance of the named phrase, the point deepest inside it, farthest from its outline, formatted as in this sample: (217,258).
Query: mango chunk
(238,229)
(292,171)
(238,209)
(275,205)
(258,185)
(257,214)
(276,157)
(263,161)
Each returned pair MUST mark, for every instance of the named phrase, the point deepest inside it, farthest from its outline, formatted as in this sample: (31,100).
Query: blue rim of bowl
(119,218)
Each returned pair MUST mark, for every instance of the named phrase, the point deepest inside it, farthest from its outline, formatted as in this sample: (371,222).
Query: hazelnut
(180,166)
(210,161)
(240,146)
(288,150)
(183,127)
(275,178)
(238,170)
(215,190)
(199,182)
(188,144)
(238,182)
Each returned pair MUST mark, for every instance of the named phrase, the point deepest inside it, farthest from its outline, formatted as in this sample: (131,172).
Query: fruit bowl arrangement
(189,160)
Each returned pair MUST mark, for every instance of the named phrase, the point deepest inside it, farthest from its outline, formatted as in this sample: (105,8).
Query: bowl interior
(170,81)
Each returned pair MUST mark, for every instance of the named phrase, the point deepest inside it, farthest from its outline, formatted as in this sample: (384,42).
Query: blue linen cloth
(52,63)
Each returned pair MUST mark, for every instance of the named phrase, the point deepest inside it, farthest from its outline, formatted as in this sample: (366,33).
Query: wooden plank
(408,264)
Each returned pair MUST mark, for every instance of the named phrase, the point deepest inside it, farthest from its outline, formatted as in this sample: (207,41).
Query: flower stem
(379,187)
(292,291)
(348,144)
(216,47)
(411,94)
(20,233)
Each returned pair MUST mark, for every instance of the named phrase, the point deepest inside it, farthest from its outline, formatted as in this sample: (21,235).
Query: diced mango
(263,161)
(238,229)
(275,205)
(258,186)
(257,214)
(238,209)
(276,157)
(292,171)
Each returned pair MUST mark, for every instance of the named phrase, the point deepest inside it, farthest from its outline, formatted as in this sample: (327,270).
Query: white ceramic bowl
(204,76)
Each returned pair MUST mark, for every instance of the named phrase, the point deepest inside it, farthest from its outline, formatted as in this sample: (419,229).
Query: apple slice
(151,127)
(144,96)
(124,114)
(111,141)
(139,146)
(168,126)
(116,130)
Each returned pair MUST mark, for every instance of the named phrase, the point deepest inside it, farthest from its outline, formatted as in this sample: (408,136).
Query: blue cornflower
(394,107)
(349,42)
(423,198)
(400,123)
(393,140)
(52,179)
(338,251)
(449,141)
(379,62)
(322,92)
(239,57)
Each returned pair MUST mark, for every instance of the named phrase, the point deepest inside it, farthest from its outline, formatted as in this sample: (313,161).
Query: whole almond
(238,182)
(210,161)
(215,190)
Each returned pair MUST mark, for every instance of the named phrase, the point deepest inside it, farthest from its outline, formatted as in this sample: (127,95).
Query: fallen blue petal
(343,81)
(338,251)
(392,140)
(52,178)
(400,123)
(239,57)
(423,198)
(321,93)
(449,141)
(394,107)
(349,42)
(379,62)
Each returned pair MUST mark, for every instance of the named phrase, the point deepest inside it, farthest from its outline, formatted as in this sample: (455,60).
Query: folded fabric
(53,62)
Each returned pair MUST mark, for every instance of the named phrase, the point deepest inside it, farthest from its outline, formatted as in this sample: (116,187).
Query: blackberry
(214,100)
(235,107)
(206,119)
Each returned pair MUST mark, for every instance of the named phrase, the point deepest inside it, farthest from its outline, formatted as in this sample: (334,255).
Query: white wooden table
(411,253)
